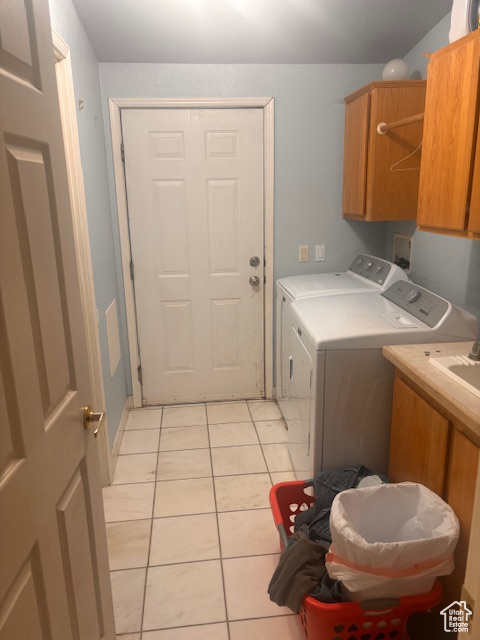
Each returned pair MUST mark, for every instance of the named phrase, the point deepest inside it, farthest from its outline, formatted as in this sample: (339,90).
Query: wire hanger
(395,164)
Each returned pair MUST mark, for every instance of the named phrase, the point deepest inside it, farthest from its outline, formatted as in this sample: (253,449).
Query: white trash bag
(391,540)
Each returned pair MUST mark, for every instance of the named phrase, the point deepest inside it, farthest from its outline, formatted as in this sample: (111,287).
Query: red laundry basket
(370,620)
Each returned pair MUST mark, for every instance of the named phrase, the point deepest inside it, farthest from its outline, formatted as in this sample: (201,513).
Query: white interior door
(54,579)
(194,180)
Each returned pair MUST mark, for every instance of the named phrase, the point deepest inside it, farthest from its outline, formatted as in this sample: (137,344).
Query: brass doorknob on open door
(254,281)
(89,417)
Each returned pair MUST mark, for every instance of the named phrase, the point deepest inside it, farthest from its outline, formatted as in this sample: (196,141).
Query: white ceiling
(257,31)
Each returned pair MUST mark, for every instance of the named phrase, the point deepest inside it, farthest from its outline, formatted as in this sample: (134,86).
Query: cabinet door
(418,443)
(448,136)
(474,213)
(460,493)
(393,177)
(357,116)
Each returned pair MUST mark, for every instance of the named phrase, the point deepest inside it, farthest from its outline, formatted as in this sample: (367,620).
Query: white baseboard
(118,438)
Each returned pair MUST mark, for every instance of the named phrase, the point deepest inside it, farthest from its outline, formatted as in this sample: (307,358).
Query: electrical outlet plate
(303,253)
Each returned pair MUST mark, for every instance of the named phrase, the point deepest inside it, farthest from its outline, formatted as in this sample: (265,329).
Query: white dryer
(366,273)
(340,385)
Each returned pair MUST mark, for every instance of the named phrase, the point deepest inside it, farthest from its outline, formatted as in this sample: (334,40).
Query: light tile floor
(191,538)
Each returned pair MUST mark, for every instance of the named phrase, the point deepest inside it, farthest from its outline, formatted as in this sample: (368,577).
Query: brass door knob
(89,417)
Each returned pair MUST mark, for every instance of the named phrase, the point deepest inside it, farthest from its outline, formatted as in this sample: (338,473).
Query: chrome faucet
(475,352)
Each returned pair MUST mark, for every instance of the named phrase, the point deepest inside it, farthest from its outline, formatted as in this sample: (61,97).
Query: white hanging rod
(383,127)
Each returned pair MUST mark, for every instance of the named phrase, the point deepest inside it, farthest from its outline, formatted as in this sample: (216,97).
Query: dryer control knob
(413,295)
(369,265)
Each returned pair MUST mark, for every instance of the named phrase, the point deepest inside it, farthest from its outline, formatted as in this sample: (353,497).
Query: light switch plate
(319,253)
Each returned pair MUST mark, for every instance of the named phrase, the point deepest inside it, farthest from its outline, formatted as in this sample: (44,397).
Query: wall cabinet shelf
(449,193)
(371,189)
(430,447)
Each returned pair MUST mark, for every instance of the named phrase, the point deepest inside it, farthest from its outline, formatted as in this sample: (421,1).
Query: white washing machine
(340,385)
(366,273)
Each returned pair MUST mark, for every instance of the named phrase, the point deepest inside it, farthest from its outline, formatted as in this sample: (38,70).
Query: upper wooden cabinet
(373,189)
(449,194)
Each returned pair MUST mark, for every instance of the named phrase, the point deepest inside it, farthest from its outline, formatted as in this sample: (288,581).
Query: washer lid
(366,273)
(317,284)
(371,320)
(360,321)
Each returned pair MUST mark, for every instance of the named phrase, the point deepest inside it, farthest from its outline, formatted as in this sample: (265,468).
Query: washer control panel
(370,268)
(423,304)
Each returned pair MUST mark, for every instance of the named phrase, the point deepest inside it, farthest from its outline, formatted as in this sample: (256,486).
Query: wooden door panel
(17,535)
(223,208)
(418,442)
(195,181)
(30,176)
(78,560)
(170,228)
(54,579)
(24,390)
(18,50)
(357,128)
(24,613)
(448,136)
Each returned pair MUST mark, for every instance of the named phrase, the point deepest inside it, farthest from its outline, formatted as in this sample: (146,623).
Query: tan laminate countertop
(413,361)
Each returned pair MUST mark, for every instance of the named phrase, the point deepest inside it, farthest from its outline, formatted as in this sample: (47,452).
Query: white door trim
(66,98)
(267,104)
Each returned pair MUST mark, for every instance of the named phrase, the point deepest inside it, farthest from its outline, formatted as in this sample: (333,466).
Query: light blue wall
(309,126)
(309,123)
(446,265)
(92,146)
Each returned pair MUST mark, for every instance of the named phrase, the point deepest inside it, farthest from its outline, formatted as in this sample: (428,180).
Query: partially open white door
(196,216)
(54,580)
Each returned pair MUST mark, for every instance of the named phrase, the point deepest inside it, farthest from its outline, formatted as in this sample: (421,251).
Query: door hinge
(122,151)
(308,443)
(131,270)
(311,377)
(140,374)
(264,279)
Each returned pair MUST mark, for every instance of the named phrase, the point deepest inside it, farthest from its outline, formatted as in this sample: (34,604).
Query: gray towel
(300,570)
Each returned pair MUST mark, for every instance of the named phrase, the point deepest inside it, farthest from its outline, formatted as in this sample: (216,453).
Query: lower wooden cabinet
(419,439)
(460,493)
(429,447)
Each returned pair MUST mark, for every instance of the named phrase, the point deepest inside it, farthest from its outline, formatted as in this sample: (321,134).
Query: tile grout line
(151,528)
(218,529)
(261,446)
(182,562)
